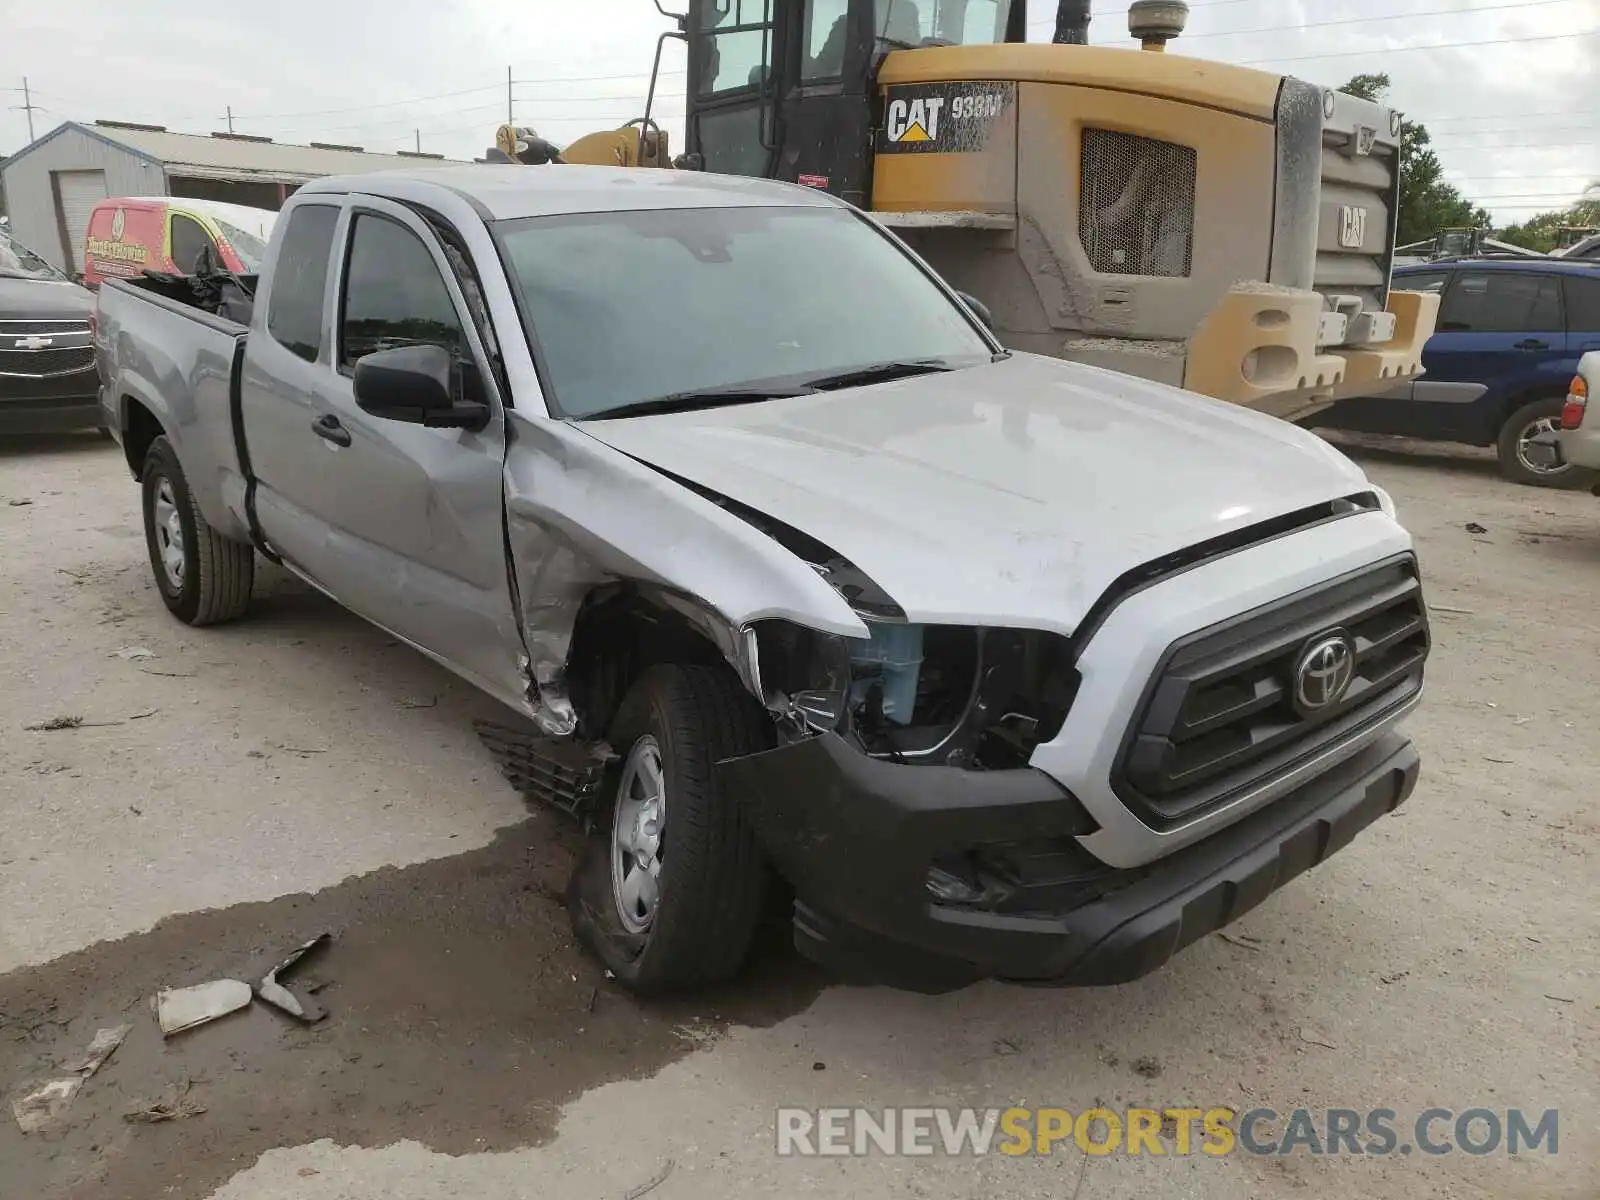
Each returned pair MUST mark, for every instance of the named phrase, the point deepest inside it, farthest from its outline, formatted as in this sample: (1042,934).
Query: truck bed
(178,363)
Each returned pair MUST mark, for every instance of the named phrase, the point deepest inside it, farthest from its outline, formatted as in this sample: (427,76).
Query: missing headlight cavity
(982,699)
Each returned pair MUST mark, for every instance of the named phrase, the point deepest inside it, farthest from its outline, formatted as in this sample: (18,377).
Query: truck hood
(43,300)
(1010,493)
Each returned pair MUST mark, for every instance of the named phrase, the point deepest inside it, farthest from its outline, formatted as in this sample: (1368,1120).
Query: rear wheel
(669,892)
(1519,459)
(204,578)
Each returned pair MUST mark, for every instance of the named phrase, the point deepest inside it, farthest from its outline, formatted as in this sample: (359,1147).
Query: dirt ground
(232,792)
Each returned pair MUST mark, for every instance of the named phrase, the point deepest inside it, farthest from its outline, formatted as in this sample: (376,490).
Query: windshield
(250,249)
(954,22)
(18,262)
(625,307)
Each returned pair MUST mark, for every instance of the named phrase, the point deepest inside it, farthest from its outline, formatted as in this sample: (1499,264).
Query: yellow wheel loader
(1224,229)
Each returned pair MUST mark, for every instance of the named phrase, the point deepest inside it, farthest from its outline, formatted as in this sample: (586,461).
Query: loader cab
(785,89)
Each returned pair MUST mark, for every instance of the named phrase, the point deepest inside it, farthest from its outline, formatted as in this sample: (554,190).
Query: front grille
(1220,718)
(1136,204)
(41,363)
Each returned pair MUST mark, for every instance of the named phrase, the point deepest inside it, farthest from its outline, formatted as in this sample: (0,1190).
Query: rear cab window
(300,280)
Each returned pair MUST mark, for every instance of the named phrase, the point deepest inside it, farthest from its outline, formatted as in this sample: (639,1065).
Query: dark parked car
(1510,334)
(48,381)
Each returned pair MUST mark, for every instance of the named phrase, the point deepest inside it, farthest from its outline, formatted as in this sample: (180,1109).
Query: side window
(741,55)
(1421,281)
(1502,302)
(827,30)
(294,308)
(189,240)
(393,294)
(1583,303)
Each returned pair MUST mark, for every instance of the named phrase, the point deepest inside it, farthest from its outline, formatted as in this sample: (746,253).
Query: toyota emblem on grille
(1323,672)
(34,343)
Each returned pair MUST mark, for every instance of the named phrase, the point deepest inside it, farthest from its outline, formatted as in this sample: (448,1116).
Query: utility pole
(419,141)
(230,118)
(511,115)
(27,105)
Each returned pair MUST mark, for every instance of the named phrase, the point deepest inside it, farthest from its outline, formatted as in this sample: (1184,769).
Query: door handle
(329,429)
(1530,344)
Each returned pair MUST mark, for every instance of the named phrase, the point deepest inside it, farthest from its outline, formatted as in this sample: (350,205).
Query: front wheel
(204,578)
(670,890)
(1519,459)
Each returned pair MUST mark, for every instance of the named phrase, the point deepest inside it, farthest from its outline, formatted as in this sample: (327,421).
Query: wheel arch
(623,629)
(140,428)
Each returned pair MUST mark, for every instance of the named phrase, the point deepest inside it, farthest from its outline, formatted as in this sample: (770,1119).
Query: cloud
(383,75)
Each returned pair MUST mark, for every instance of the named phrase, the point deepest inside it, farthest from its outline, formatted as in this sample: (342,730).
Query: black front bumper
(857,836)
(49,404)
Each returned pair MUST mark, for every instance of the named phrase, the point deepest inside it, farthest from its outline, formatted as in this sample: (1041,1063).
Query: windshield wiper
(882,372)
(696,399)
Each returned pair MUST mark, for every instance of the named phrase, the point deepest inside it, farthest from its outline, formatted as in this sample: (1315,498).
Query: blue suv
(1496,371)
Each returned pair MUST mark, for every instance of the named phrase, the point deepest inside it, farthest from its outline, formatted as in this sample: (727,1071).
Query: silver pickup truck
(792,580)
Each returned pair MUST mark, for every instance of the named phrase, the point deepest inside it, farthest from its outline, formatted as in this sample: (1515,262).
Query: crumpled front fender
(580,515)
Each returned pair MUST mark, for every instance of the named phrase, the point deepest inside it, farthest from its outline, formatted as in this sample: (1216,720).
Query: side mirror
(416,384)
(979,309)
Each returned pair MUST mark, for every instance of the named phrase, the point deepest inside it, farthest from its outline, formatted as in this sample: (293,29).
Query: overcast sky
(373,74)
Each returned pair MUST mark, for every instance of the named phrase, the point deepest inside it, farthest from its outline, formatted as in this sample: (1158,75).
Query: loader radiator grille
(1136,204)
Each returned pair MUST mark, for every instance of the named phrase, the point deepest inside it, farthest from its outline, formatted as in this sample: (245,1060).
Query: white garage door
(78,193)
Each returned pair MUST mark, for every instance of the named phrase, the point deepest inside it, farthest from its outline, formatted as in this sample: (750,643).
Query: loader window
(947,22)
(720,298)
(827,31)
(738,44)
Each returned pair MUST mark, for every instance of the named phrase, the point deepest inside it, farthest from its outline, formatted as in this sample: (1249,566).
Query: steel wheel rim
(1525,442)
(169,532)
(637,828)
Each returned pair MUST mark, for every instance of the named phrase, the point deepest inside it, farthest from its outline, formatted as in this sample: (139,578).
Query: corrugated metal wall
(31,196)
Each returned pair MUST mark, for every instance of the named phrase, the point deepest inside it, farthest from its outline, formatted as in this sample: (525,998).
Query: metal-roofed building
(53,184)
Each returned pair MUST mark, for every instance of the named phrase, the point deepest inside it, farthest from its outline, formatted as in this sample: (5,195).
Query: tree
(1539,232)
(1427,202)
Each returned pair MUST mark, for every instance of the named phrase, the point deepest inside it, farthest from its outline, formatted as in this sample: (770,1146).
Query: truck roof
(501,191)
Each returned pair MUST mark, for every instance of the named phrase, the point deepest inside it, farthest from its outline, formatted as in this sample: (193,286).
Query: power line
(1437,12)
(1526,195)
(1587,177)
(1458,133)
(1564,112)
(1513,146)
(596,78)
(1540,37)
(320,112)
(1049,22)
